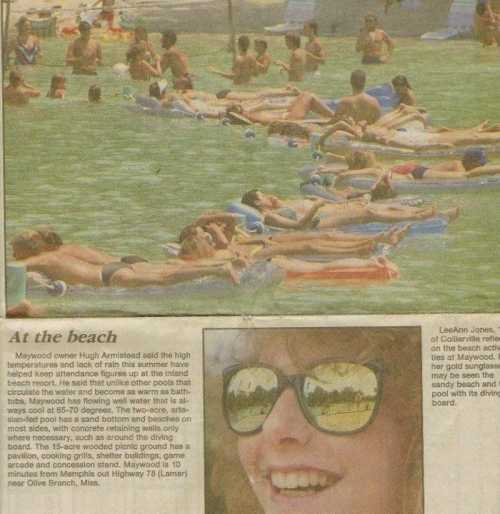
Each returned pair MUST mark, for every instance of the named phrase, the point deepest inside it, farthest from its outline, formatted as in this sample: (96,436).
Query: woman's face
(359,473)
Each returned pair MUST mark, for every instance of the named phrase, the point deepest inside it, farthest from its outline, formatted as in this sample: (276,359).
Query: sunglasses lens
(249,398)
(341,397)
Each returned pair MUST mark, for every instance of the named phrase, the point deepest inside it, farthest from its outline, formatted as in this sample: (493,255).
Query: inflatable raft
(378,269)
(259,275)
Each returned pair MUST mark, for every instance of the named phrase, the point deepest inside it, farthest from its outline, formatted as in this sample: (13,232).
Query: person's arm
(276,220)
(224,74)
(488,169)
(361,41)
(154,71)
(71,58)
(165,63)
(389,42)
(98,52)
(371,172)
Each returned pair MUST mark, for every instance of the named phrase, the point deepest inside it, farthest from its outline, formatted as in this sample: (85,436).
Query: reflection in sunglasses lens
(341,397)
(250,396)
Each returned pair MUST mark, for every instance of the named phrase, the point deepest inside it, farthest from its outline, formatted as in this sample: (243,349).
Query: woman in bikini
(26,46)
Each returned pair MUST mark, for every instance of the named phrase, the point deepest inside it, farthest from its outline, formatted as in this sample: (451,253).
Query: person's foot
(231,273)
(451,214)
(395,234)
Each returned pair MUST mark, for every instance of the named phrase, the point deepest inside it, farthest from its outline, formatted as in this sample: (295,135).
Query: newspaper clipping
(249,257)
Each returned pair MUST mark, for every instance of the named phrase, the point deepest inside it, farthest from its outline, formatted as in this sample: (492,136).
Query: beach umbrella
(232,30)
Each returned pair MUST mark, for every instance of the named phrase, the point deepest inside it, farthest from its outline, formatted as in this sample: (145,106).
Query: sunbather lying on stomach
(303,213)
(84,266)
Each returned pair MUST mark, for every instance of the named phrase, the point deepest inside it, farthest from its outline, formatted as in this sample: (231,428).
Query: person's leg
(305,103)
(128,277)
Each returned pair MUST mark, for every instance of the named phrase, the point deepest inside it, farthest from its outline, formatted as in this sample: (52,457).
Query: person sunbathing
(474,163)
(265,113)
(391,130)
(303,213)
(29,248)
(208,243)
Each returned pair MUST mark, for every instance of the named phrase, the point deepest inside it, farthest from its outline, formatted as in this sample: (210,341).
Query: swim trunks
(183,83)
(419,172)
(108,270)
(132,259)
(371,59)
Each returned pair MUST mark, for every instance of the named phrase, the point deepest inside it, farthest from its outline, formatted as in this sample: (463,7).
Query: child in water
(57,87)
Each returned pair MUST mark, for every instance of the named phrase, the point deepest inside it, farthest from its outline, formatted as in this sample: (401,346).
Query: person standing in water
(244,65)
(84,53)
(263,57)
(176,60)
(26,45)
(315,53)
(17,92)
(297,65)
(375,45)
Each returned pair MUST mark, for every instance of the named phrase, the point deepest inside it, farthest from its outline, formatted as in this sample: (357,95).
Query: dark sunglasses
(335,397)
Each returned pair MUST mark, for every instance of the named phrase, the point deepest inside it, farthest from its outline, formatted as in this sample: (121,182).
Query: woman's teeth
(299,483)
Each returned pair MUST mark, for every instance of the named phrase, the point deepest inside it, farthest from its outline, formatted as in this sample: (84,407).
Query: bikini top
(25,54)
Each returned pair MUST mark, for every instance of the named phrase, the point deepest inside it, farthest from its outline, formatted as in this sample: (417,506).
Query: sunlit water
(91,171)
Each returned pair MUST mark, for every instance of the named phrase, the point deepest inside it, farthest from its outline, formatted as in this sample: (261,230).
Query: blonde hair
(227,487)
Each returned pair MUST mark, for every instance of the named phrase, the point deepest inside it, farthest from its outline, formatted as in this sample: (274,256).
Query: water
(92,173)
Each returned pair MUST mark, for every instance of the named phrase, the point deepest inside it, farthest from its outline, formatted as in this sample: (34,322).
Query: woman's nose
(286,422)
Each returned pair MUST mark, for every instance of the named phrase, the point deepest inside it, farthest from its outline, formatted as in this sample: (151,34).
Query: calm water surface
(91,172)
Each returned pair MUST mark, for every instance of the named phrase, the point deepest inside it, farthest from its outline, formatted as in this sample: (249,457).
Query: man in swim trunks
(317,214)
(297,65)
(84,53)
(17,92)
(56,265)
(315,53)
(176,60)
(374,43)
(263,58)
(244,64)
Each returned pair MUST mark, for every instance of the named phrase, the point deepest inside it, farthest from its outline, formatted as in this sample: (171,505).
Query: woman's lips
(300,481)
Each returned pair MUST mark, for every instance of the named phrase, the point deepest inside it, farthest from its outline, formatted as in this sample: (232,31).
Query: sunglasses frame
(296,382)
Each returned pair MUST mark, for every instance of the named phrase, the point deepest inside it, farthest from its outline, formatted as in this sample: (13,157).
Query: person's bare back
(360,107)
(244,69)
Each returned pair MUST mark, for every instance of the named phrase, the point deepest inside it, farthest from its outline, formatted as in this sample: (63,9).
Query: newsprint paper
(250,257)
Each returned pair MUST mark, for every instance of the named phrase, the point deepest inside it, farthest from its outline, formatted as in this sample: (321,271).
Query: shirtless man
(487,24)
(244,65)
(176,60)
(263,58)
(359,106)
(84,53)
(302,214)
(297,65)
(29,249)
(315,53)
(373,42)
(18,92)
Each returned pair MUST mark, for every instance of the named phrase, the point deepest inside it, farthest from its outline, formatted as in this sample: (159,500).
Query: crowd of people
(215,244)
